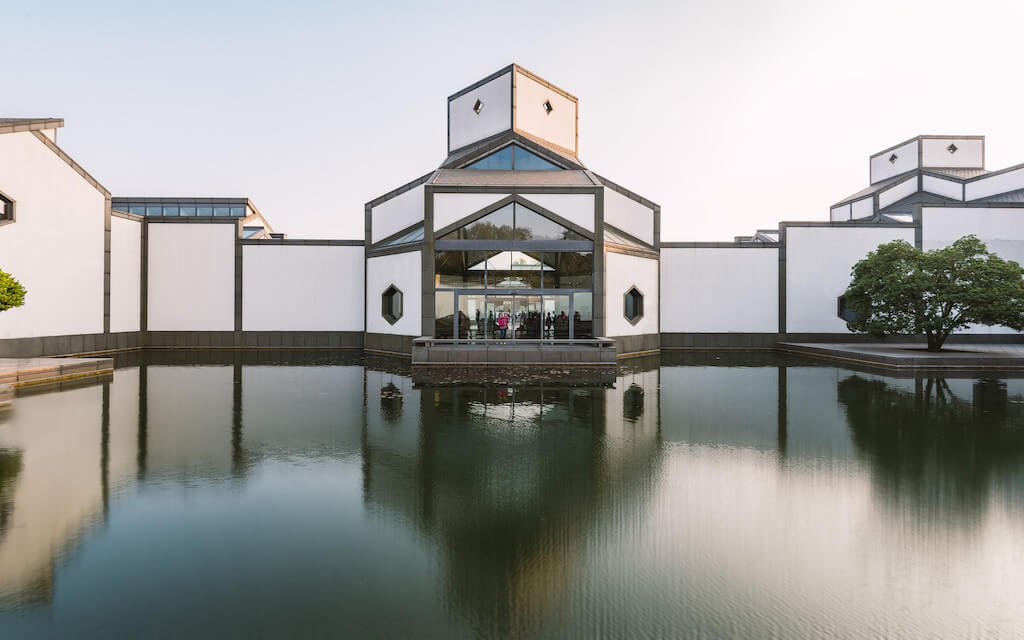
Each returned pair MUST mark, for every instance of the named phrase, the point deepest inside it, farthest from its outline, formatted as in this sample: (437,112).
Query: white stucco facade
(395,214)
(404,271)
(125,274)
(466,125)
(302,288)
(720,290)
(191,277)
(623,272)
(627,214)
(55,245)
(818,263)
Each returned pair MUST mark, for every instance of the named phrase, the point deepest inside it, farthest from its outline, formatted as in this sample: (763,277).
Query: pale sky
(732,115)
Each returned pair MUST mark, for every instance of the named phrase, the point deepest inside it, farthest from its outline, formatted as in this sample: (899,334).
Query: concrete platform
(559,353)
(974,357)
(21,372)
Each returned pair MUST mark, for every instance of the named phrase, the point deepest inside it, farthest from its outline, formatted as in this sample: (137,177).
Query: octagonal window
(6,209)
(844,312)
(391,304)
(634,305)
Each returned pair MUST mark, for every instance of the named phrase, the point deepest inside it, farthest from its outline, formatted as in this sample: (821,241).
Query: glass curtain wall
(513,274)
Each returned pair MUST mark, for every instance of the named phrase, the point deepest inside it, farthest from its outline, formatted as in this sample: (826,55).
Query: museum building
(512,243)
(512,237)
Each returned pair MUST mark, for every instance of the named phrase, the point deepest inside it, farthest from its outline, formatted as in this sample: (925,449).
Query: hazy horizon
(731,115)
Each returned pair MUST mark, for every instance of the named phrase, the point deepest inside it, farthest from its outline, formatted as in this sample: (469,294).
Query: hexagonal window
(634,305)
(6,209)
(843,311)
(391,304)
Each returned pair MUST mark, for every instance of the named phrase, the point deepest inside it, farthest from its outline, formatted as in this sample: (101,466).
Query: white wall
(623,272)
(720,290)
(969,153)
(125,282)
(629,215)
(990,186)
(191,277)
(558,126)
(818,263)
(55,246)
(840,213)
(864,208)
(947,188)
(906,159)
(1002,230)
(574,207)
(302,288)
(452,207)
(404,271)
(404,210)
(465,126)
(897,192)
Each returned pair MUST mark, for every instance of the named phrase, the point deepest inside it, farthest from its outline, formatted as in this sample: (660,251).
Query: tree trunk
(934,342)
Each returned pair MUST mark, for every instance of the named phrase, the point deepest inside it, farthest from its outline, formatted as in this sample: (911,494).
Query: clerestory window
(514,157)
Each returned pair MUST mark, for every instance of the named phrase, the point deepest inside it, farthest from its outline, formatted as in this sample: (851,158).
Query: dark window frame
(7,217)
(638,304)
(388,307)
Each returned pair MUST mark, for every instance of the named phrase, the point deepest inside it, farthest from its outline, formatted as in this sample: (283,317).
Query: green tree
(899,289)
(12,294)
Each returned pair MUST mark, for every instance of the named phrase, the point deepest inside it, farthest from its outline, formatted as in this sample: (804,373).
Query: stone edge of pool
(17,373)
(912,356)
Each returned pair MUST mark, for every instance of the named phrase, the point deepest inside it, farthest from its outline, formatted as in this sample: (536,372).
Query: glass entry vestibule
(513,274)
(519,316)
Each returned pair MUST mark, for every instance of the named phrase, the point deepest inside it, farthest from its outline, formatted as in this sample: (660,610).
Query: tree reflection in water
(933,453)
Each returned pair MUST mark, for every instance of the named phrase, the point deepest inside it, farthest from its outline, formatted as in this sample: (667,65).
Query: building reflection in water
(512,483)
(510,480)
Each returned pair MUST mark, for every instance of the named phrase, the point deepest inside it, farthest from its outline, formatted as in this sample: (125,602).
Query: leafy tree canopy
(12,294)
(899,289)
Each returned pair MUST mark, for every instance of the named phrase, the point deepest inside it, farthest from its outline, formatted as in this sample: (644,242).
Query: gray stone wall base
(69,344)
(254,340)
(387,343)
(482,353)
(719,340)
(637,345)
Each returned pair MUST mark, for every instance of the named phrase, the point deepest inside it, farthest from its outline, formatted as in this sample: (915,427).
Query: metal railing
(511,342)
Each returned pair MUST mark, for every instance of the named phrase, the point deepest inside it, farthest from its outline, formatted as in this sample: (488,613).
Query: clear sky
(732,115)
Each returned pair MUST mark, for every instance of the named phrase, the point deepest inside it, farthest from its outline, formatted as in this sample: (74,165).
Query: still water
(283,495)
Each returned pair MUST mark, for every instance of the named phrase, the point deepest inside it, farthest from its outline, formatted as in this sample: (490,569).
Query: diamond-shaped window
(547,107)
(478,107)
(893,158)
(951,148)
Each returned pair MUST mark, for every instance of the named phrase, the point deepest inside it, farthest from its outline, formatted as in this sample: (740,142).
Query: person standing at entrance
(502,324)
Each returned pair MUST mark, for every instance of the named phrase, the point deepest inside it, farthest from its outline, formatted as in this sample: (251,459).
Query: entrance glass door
(527,317)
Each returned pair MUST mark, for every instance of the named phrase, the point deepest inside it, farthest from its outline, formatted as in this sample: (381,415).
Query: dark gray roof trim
(290,242)
(480,83)
(624,191)
(400,190)
(720,245)
(881,185)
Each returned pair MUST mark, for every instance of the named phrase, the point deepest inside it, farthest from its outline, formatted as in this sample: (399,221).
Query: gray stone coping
(18,372)
(914,356)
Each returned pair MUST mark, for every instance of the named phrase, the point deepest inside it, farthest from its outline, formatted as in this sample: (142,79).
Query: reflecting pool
(699,495)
